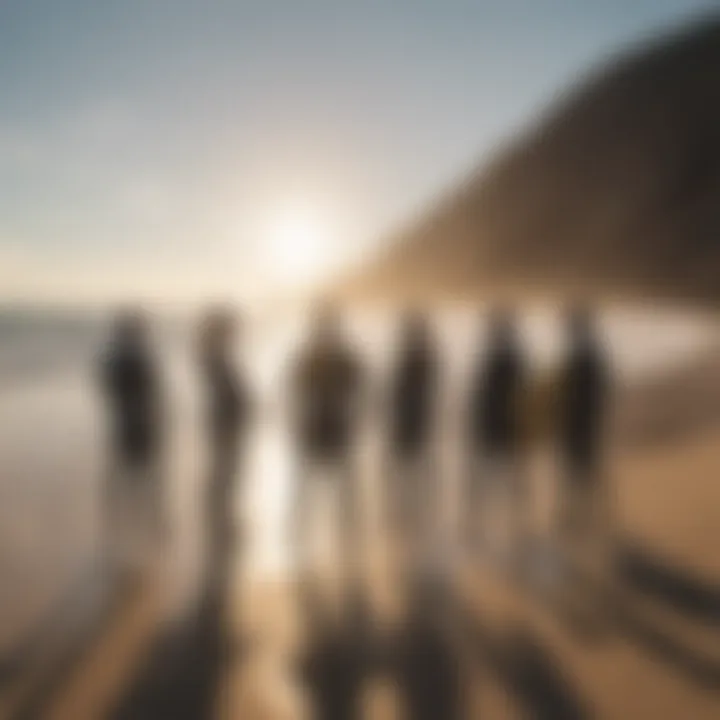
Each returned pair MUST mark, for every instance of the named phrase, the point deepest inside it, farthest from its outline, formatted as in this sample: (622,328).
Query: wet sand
(660,659)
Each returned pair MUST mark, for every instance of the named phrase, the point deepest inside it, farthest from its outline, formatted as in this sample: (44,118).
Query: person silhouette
(495,425)
(412,414)
(227,419)
(325,390)
(582,407)
(130,381)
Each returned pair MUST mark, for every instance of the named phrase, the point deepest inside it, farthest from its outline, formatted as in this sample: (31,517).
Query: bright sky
(183,148)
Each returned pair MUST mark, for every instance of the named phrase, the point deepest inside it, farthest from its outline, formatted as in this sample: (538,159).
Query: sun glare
(298,245)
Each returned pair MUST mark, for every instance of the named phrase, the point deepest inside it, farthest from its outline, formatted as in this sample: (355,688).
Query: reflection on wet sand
(423,626)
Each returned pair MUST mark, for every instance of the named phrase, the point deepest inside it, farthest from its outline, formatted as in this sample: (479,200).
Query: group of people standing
(328,393)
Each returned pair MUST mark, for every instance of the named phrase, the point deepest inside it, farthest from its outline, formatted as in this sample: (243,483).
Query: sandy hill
(616,189)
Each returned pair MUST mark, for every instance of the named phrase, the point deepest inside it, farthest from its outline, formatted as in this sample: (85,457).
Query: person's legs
(494,501)
(159,502)
(581,510)
(224,481)
(518,515)
(602,503)
(589,543)
(135,512)
(395,510)
(473,500)
(413,501)
(113,509)
(569,501)
(429,502)
(300,508)
(502,506)
(350,513)
(584,493)
(598,513)
(411,496)
(137,501)
(220,507)
(147,509)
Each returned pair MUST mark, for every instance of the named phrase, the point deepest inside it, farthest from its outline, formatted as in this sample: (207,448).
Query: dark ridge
(616,190)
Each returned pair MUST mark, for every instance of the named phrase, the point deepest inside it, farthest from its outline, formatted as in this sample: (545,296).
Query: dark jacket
(582,405)
(228,400)
(326,389)
(413,400)
(131,384)
(494,406)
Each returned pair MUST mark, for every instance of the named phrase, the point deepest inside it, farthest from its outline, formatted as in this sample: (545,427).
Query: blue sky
(147,145)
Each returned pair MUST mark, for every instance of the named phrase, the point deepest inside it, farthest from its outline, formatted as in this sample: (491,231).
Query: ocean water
(35,345)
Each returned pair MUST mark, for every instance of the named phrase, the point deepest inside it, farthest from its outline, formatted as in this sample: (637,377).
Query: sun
(298,244)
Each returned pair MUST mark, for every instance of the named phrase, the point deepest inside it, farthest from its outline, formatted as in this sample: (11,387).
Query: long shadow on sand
(682,592)
(448,640)
(532,673)
(180,677)
(16,660)
(339,656)
(426,663)
(675,586)
(537,678)
(620,609)
(61,642)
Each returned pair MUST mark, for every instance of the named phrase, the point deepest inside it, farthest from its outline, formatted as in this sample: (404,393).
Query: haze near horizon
(181,150)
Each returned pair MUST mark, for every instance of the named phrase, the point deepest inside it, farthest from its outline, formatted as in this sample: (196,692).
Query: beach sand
(666,499)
